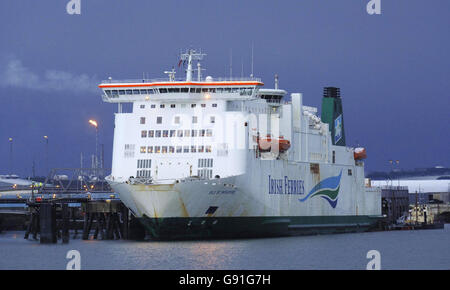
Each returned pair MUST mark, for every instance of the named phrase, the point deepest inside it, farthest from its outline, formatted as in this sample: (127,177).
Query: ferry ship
(227,158)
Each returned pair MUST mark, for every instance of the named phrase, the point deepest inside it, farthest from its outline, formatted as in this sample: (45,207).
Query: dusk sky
(393,69)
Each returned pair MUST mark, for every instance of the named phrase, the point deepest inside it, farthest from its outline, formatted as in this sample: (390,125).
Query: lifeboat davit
(360,153)
(266,144)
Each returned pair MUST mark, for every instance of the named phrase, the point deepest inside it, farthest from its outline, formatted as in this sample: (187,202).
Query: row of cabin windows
(204,173)
(176,133)
(144,163)
(205,162)
(177,120)
(143,173)
(162,106)
(176,149)
(117,93)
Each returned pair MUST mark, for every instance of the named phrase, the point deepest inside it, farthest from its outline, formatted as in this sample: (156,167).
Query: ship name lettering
(286,186)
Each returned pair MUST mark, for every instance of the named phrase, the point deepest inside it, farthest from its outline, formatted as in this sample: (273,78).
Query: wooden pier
(54,219)
(50,220)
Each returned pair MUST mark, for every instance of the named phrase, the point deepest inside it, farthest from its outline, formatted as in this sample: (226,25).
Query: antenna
(199,71)
(252,61)
(231,63)
(171,74)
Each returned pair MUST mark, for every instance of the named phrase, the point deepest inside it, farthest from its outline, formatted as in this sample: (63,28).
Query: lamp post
(95,124)
(46,153)
(10,155)
(392,162)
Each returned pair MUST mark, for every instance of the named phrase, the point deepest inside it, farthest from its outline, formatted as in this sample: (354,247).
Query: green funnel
(333,115)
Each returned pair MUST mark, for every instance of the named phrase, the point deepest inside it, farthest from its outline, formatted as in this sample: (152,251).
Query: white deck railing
(233,79)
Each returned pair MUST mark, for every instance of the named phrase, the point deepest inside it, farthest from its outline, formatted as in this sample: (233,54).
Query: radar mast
(190,55)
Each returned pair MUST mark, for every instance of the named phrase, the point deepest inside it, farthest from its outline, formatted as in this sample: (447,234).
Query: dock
(71,209)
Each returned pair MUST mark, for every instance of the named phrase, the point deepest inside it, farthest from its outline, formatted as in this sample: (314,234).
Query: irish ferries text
(286,186)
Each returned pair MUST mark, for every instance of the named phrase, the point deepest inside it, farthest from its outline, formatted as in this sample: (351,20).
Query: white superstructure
(226,157)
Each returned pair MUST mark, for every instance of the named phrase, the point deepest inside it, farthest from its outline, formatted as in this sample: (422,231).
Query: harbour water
(422,249)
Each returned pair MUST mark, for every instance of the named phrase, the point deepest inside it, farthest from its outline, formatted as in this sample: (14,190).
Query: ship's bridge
(272,96)
(123,91)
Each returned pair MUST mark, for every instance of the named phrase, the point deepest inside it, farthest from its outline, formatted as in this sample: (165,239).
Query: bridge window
(136,92)
(162,91)
(121,92)
(115,92)
(143,92)
(129,92)
(108,93)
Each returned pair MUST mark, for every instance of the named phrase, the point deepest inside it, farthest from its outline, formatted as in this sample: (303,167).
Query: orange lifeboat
(266,144)
(360,153)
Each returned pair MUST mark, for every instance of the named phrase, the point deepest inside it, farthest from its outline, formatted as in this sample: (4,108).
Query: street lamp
(95,124)
(46,152)
(10,155)
(394,162)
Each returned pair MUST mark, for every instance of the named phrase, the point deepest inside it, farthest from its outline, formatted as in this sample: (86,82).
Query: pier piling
(48,223)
